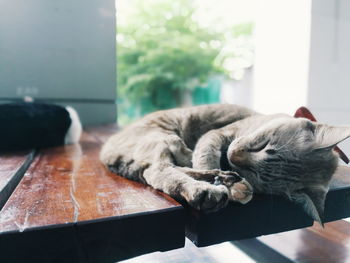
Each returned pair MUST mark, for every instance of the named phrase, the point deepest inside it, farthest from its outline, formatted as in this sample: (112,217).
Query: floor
(314,244)
(221,253)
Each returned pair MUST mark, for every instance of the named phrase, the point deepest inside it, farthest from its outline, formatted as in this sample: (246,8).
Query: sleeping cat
(183,153)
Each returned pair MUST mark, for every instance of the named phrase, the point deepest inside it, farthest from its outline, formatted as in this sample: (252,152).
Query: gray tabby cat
(181,152)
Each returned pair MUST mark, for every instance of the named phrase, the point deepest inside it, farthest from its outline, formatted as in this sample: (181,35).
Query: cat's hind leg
(181,154)
(120,161)
(206,164)
(194,185)
(198,194)
(208,150)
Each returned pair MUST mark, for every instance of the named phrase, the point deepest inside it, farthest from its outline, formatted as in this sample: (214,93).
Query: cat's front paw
(241,192)
(226,178)
(239,189)
(207,197)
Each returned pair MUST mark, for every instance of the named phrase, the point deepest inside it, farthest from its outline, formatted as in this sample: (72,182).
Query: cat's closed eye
(270,151)
(259,148)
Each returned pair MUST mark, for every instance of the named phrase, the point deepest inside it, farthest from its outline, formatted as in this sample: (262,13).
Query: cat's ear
(312,201)
(326,137)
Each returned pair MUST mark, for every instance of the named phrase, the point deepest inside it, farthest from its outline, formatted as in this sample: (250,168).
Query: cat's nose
(238,156)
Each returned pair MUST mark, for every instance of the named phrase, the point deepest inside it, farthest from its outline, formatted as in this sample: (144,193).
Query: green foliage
(162,51)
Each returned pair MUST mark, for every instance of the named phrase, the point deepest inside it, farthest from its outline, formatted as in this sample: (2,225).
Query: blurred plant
(162,51)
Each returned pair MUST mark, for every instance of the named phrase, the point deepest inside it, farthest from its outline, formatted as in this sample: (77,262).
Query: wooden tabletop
(12,167)
(68,207)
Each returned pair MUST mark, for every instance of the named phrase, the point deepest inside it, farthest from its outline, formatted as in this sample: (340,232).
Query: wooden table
(69,208)
(63,205)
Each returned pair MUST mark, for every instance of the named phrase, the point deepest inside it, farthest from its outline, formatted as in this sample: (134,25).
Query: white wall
(303,58)
(282,50)
(329,83)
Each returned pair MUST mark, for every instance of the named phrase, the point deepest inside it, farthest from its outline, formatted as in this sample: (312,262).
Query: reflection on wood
(313,244)
(68,193)
(69,184)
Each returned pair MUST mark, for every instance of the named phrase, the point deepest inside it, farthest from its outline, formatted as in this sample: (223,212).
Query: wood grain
(69,184)
(68,191)
(12,167)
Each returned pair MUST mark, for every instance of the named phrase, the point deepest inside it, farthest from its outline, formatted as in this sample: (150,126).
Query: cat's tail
(75,129)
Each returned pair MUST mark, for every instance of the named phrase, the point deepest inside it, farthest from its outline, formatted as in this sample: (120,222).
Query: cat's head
(290,157)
